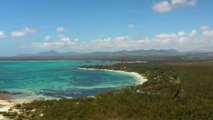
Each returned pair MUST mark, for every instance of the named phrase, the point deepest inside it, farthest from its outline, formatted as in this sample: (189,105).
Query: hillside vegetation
(182,91)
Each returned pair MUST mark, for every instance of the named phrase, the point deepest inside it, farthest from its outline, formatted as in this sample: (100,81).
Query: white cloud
(193,33)
(207,32)
(23,32)
(29,30)
(47,38)
(180,41)
(181,34)
(60,29)
(167,6)
(18,34)
(184,2)
(205,28)
(76,39)
(131,26)
(162,6)
(2,34)
(166,36)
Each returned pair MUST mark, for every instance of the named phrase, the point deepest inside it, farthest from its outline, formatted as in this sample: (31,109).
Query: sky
(32,26)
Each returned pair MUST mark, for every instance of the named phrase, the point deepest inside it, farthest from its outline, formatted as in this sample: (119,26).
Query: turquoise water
(59,79)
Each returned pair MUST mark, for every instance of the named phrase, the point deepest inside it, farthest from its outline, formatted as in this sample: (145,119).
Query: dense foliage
(173,92)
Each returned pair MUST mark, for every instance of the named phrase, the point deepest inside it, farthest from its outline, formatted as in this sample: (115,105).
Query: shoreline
(6,101)
(10,100)
(5,106)
(141,79)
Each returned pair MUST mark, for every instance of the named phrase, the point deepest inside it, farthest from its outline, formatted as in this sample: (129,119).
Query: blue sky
(30,26)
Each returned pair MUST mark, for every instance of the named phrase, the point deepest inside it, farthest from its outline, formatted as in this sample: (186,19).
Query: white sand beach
(5,105)
(7,101)
(141,79)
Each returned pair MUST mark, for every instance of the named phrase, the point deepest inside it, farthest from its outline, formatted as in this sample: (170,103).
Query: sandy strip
(5,105)
(141,79)
(8,101)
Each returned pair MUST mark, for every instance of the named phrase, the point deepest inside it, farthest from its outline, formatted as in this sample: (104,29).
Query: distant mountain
(170,52)
(49,53)
(149,52)
(152,52)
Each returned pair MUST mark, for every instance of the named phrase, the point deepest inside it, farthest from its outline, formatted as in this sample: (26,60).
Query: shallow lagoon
(59,79)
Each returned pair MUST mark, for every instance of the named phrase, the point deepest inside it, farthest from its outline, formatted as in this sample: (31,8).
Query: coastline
(7,101)
(140,78)
(5,105)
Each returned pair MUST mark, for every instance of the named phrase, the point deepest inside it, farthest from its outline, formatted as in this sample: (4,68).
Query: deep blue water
(59,79)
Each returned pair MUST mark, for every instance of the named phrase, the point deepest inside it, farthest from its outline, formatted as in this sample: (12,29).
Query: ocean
(59,79)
